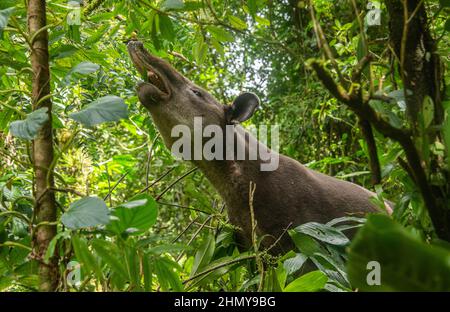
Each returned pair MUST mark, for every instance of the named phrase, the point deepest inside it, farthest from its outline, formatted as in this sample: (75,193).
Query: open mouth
(157,81)
(143,62)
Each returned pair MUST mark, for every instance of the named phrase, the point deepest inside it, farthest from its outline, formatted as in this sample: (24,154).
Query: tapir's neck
(233,174)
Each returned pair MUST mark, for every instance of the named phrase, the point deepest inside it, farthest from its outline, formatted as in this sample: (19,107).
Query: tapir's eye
(196,92)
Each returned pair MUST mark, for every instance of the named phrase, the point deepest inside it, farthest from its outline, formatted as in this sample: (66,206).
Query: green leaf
(323,233)
(237,22)
(147,270)
(312,281)
(166,28)
(172,5)
(427,111)
(86,212)
(200,50)
(262,20)
(447,25)
(294,264)
(111,255)
(220,34)
(252,7)
(444,3)
(446,134)
(84,256)
(27,129)
(4,16)
(104,109)
(203,255)
(306,244)
(168,278)
(52,245)
(134,217)
(85,68)
(406,263)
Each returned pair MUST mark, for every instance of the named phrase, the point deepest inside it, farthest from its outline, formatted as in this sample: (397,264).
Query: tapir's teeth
(156,81)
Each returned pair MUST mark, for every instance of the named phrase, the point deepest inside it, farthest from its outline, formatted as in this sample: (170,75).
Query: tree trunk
(420,69)
(45,208)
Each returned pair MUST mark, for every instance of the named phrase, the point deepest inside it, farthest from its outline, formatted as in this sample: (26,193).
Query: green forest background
(334,84)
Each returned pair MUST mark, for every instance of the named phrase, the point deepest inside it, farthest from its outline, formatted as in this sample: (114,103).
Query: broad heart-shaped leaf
(134,217)
(4,16)
(85,68)
(312,281)
(405,263)
(324,233)
(104,109)
(28,128)
(86,212)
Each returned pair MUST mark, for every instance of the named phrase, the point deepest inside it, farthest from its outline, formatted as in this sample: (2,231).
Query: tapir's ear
(242,108)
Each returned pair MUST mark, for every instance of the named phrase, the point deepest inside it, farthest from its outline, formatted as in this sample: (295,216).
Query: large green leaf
(134,217)
(107,108)
(406,263)
(86,212)
(324,233)
(28,128)
(312,281)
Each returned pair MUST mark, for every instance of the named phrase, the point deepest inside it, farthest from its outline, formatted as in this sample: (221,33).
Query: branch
(374,162)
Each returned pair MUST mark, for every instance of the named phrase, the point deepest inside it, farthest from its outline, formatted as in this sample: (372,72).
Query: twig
(194,236)
(185,229)
(117,184)
(157,180)
(221,265)
(175,182)
(278,239)
(149,159)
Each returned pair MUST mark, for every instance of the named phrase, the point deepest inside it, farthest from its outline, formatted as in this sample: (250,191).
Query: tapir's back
(293,195)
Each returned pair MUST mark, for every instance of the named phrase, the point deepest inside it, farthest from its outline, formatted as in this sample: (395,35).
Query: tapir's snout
(160,78)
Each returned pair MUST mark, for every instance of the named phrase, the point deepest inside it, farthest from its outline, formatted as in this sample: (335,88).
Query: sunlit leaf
(86,212)
(312,281)
(135,216)
(220,34)
(237,22)
(108,108)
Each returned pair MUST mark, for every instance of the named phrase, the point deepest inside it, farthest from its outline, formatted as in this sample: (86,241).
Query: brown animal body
(288,196)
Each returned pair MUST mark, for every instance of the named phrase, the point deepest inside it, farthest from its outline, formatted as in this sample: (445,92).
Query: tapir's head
(172,99)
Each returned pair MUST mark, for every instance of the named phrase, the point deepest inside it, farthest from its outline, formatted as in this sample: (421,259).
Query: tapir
(288,196)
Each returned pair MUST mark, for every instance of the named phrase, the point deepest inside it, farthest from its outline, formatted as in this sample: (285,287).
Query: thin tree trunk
(45,208)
